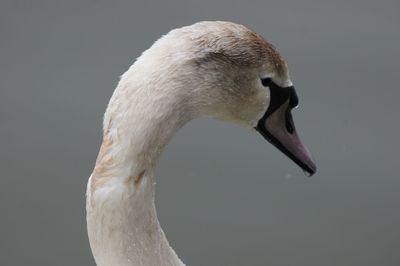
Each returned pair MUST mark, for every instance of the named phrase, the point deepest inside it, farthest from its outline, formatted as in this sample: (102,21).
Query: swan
(215,69)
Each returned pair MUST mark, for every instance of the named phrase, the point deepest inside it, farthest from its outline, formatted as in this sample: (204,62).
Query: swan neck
(122,221)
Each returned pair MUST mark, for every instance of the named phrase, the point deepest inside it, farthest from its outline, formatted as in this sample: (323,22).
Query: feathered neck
(121,216)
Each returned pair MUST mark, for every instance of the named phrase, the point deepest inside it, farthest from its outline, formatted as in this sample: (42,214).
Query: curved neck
(123,226)
(121,217)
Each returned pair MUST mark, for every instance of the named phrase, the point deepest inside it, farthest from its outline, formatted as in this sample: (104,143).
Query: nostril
(289,121)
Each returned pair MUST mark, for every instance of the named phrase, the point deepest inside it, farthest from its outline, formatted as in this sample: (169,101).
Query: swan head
(226,71)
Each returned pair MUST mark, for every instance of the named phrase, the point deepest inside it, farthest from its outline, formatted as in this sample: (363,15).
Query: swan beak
(277,127)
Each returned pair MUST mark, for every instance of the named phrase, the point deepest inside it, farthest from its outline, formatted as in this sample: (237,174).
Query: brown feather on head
(239,45)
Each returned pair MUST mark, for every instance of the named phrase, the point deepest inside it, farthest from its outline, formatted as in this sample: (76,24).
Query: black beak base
(277,127)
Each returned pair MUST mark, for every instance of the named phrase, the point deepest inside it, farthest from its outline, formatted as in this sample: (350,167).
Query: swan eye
(266,82)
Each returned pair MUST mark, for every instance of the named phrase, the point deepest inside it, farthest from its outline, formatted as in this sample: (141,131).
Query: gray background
(224,195)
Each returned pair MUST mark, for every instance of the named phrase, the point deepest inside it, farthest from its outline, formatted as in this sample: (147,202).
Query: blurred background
(224,195)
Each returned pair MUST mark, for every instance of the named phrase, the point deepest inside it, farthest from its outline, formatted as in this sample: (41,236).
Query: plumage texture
(207,69)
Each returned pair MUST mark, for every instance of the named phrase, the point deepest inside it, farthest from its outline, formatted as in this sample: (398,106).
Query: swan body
(213,69)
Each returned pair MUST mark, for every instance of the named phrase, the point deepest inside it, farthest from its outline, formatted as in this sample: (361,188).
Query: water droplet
(288,176)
